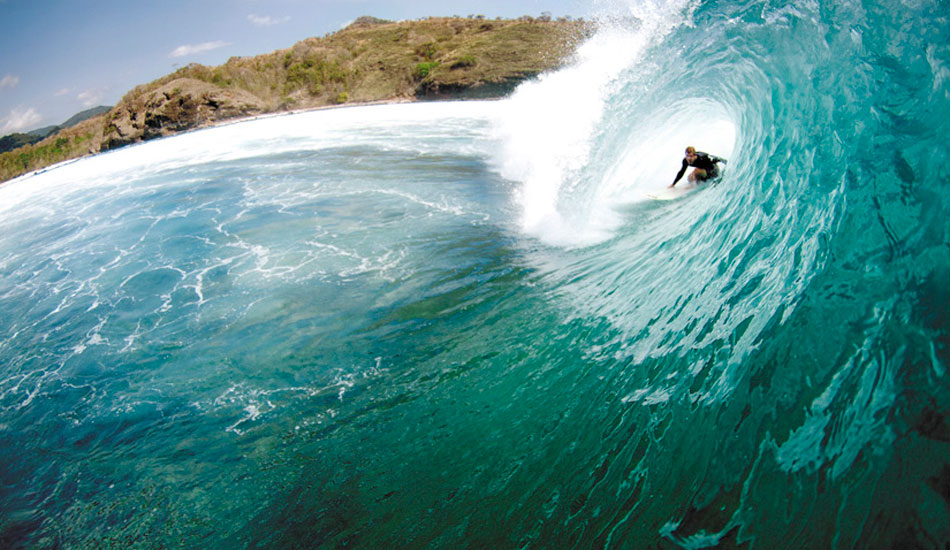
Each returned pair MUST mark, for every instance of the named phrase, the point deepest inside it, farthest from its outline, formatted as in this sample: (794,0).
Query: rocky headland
(369,61)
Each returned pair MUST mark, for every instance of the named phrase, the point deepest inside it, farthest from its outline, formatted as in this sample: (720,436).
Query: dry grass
(368,61)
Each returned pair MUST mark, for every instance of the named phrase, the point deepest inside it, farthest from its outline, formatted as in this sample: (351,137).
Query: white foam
(655,148)
(548,127)
(386,126)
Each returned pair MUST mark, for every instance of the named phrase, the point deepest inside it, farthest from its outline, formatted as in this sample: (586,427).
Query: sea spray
(549,126)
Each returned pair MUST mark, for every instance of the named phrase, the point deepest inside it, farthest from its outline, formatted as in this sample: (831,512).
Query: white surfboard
(668,194)
(684,187)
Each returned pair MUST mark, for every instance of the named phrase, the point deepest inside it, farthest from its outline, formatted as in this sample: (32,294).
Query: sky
(60,57)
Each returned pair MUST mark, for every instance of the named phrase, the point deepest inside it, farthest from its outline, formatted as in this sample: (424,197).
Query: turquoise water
(462,325)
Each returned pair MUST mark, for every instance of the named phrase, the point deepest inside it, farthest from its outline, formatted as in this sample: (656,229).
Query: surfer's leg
(697,175)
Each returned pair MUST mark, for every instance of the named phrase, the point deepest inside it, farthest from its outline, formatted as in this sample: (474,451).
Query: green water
(462,325)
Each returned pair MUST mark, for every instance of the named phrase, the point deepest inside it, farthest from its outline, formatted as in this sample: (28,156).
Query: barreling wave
(457,325)
(797,296)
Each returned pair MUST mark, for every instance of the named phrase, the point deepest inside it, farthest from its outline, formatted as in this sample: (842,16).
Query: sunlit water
(463,325)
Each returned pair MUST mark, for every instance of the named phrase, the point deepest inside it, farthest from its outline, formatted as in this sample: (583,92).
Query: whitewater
(464,324)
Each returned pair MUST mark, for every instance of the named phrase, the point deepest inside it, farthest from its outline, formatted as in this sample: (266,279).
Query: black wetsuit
(704,161)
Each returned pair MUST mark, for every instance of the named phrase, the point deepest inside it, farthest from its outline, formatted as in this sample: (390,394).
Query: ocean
(464,324)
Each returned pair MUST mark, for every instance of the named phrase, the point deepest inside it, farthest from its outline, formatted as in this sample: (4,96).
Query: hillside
(369,61)
(84,115)
(12,141)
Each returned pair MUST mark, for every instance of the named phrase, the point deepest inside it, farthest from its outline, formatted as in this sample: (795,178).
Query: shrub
(314,74)
(219,79)
(427,50)
(464,61)
(423,70)
(368,21)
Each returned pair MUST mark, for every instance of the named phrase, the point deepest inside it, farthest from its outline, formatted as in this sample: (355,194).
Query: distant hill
(41,133)
(12,141)
(371,60)
(16,140)
(84,115)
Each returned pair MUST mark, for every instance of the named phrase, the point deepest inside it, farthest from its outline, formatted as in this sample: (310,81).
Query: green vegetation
(314,74)
(423,69)
(371,60)
(13,141)
(17,140)
(67,144)
(428,50)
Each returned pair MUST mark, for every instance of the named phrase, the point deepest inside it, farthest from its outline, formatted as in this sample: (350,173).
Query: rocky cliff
(182,104)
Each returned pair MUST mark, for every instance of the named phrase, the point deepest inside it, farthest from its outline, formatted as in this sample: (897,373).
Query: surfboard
(683,188)
(668,194)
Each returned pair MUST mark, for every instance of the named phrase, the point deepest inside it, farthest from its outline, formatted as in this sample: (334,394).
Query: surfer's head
(690,153)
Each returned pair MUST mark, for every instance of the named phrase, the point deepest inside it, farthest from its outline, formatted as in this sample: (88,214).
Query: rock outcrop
(179,105)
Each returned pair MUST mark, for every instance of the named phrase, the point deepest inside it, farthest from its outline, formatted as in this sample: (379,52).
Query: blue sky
(59,57)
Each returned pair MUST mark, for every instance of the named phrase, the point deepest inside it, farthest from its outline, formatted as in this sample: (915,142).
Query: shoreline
(380,102)
(446,59)
(239,120)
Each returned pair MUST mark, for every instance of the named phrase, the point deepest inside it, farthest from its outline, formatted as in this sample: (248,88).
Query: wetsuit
(704,161)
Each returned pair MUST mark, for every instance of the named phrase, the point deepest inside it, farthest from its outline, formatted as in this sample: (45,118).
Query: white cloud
(19,120)
(64,91)
(9,81)
(91,98)
(266,20)
(192,49)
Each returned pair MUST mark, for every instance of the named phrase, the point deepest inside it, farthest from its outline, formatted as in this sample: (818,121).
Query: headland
(369,61)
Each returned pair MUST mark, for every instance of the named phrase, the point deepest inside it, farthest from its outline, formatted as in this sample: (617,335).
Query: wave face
(463,324)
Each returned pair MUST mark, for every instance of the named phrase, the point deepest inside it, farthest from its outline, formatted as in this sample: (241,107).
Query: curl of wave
(802,285)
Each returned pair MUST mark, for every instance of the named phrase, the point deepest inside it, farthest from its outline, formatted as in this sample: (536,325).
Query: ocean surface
(462,325)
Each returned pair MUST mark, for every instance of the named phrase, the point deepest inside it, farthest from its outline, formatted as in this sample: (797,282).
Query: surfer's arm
(680,173)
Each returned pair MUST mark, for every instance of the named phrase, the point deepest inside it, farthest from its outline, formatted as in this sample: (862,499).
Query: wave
(801,284)
(463,324)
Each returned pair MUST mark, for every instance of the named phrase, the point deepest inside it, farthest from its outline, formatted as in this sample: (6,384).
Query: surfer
(704,164)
